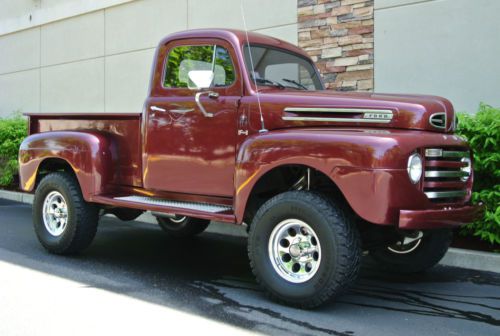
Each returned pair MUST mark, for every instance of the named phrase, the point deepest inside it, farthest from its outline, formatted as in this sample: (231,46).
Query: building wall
(449,48)
(95,55)
(338,35)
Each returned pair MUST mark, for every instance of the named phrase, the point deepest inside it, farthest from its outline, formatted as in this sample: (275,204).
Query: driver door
(190,146)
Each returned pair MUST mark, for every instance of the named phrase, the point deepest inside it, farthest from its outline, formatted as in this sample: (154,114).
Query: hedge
(482,130)
(12,132)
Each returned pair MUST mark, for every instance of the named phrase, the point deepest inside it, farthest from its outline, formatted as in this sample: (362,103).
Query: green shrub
(482,130)
(12,132)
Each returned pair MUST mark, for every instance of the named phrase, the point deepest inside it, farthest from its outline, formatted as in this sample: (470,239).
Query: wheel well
(290,177)
(52,165)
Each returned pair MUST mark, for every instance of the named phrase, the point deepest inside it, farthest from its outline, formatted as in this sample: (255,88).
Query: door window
(183,59)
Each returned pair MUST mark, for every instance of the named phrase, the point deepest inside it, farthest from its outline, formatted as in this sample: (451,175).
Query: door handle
(212,95)
(158,109)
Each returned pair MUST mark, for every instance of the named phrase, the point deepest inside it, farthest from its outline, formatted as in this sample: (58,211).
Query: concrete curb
(476,260)
(17,196)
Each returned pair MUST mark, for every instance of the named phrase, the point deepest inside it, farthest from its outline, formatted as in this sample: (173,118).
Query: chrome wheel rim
(55,213)
(407,245)
(294,250)
(177,219)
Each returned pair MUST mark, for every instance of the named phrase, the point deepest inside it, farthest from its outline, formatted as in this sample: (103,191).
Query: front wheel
(303,249)
(416,252)
(182,226)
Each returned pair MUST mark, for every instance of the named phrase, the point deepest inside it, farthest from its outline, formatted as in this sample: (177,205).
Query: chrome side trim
(445,173)
(186,110)
(369,115)
(213,208)
(333,110)
(157,109)
(348,120)
(438,120)
(446,194)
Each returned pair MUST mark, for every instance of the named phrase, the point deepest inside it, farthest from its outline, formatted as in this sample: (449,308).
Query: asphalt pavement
(134,279)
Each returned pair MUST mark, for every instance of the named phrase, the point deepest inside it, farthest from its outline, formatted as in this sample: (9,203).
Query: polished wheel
(294,250)
(63,221)
(177,219)
(408,244)
(416,252)
(55,213)
(303,248)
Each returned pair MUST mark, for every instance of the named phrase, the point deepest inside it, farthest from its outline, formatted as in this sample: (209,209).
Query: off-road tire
(82,218)
(429,252)
(339,240)
(189,227)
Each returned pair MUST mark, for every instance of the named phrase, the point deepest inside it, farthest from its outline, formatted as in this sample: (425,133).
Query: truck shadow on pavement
(210,276)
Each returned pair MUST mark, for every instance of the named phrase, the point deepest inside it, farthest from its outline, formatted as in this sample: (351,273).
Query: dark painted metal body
(187,156)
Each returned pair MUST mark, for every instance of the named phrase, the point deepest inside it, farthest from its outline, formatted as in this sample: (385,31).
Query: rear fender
(90,155)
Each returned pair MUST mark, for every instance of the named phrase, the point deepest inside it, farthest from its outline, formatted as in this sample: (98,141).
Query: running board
(203,207)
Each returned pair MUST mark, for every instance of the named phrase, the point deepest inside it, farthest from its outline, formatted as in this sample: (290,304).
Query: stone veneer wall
(338,35)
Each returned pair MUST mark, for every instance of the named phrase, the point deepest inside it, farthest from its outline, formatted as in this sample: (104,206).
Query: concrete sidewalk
(470,259)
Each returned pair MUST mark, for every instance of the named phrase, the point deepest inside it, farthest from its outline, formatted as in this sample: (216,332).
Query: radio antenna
(262,126)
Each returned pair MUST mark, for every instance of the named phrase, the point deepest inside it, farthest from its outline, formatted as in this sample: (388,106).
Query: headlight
(467,169)
(415,168)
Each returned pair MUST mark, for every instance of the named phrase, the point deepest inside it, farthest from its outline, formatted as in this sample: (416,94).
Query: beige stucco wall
(442,47)
(95,55)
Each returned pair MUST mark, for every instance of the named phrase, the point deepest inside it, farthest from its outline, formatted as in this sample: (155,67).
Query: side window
(183,59)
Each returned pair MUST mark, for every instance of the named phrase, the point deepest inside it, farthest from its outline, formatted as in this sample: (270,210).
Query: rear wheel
(64,223)
(415,252)
(304,249)
(182,226)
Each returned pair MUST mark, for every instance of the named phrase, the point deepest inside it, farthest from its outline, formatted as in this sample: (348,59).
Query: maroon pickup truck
(239,128)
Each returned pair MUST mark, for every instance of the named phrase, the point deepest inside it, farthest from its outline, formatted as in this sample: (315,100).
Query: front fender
(321,150)
(90,155)
(368,166)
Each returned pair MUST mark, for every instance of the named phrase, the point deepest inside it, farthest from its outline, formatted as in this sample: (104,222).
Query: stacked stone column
(338,35)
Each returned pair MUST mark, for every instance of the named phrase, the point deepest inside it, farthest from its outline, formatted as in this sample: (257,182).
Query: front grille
(446,173)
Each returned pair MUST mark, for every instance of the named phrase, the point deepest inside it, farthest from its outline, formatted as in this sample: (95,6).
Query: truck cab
(238,127)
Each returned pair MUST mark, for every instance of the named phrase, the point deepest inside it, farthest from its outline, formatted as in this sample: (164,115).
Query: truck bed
(123,128)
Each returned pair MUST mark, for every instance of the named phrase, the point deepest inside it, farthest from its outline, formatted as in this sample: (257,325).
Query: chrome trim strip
(438,152)
(334,110)
(455,154)
(446,194)
(445,173)
(186,110)
(157,109)
(369,115)
(348,120)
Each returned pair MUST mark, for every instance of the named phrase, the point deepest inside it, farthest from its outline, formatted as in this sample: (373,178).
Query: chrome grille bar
(446,194)
(445,173)
(438,153)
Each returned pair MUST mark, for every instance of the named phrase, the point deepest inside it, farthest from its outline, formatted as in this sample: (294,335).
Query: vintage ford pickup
(238,128)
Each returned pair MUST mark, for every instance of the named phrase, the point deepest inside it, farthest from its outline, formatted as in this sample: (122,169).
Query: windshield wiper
(295,83)
(268,82)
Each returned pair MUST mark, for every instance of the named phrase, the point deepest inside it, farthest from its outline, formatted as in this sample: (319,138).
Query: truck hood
(323,108)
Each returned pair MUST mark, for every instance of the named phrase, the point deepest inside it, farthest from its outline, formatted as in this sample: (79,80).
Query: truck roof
(237,37)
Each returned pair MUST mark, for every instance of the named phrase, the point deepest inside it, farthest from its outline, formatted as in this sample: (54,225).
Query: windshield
(281,68)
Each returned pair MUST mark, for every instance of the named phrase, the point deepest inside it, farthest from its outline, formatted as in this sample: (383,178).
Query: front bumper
(441,218)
